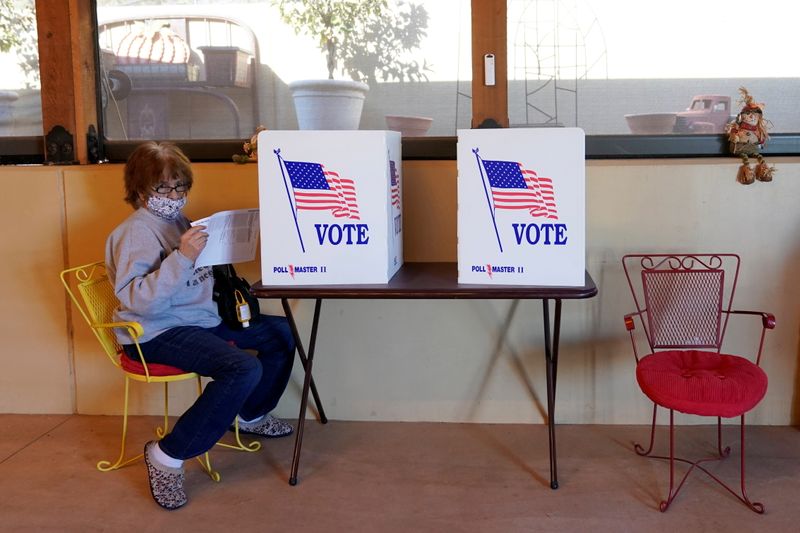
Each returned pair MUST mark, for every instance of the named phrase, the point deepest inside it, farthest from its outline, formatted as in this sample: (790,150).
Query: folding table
(426,281)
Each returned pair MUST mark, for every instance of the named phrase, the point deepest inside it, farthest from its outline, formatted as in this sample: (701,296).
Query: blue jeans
(241,384)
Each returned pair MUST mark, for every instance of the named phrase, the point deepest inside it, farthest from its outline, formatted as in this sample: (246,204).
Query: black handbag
(237,307)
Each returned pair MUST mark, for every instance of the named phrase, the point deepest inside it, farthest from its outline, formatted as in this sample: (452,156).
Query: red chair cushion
(136,367)
(701,383)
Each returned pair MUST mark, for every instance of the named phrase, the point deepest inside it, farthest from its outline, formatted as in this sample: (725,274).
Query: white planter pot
(409,126)
(328,104)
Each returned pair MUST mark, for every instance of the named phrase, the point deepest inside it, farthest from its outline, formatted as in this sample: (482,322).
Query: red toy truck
(708,113)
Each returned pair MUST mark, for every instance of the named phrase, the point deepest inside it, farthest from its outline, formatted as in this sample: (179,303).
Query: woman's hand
(193,242)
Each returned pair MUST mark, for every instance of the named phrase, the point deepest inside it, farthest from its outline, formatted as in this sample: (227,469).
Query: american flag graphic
(318,189)
(514,187)
(395,192)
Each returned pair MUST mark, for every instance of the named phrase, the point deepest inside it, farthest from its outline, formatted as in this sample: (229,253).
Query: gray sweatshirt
(157,286)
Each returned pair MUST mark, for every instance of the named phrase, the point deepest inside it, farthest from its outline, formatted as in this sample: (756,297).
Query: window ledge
(444,148)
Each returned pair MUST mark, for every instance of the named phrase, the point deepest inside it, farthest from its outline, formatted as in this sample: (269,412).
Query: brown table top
(426,281)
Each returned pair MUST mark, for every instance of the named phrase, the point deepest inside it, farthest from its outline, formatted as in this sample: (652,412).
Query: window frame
(79,79)
(21,150)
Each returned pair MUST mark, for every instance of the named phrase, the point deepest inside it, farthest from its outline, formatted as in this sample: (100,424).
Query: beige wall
(425,360)
(35,358)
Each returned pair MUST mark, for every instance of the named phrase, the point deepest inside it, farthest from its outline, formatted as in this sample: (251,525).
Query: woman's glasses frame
(180,188)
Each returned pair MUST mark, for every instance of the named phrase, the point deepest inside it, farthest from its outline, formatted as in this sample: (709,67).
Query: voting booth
(521,206)
(331,206)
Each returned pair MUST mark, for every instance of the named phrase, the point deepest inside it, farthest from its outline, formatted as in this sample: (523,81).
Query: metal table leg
(551,358)
(551,363)
(308,381)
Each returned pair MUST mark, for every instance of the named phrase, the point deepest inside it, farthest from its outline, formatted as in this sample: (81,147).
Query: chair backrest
(683,300)
(91,291)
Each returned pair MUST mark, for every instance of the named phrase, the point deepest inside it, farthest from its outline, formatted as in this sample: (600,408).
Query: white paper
(232,237)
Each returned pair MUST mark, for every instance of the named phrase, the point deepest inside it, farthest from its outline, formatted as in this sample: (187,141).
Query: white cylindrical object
(328,104)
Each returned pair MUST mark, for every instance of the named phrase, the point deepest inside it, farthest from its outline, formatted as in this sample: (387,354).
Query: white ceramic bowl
(651,123)
(409,126)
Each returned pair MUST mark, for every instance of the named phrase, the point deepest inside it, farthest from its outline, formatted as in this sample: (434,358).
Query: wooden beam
(67,70)
(489,30)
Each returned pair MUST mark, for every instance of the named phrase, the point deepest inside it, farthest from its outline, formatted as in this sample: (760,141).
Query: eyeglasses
(166,189)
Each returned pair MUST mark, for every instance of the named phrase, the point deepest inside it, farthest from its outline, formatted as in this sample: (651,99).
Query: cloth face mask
(164,207)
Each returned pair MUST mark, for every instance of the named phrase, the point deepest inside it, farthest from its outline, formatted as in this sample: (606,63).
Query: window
(626,67)
(641,78)
(20,102)
(209,70)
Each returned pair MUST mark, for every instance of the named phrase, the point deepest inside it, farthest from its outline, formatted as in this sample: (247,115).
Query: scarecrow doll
(250,148)
(747,135)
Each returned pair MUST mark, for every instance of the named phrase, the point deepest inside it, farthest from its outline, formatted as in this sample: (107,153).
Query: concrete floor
(386,477)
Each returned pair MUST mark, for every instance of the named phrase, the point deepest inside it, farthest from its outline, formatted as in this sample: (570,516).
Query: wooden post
(67,70)
(489,29)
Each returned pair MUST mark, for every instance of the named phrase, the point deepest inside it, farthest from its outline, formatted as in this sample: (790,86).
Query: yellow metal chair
(91,291)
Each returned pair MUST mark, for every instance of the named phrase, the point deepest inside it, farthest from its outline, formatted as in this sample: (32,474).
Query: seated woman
(150,260)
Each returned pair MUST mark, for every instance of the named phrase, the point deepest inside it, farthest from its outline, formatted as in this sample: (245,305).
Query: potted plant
(366,40)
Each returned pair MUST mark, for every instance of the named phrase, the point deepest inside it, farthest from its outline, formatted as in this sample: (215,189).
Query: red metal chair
(683,302)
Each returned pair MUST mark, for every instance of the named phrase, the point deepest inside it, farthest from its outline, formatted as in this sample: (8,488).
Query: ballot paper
(232,237)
